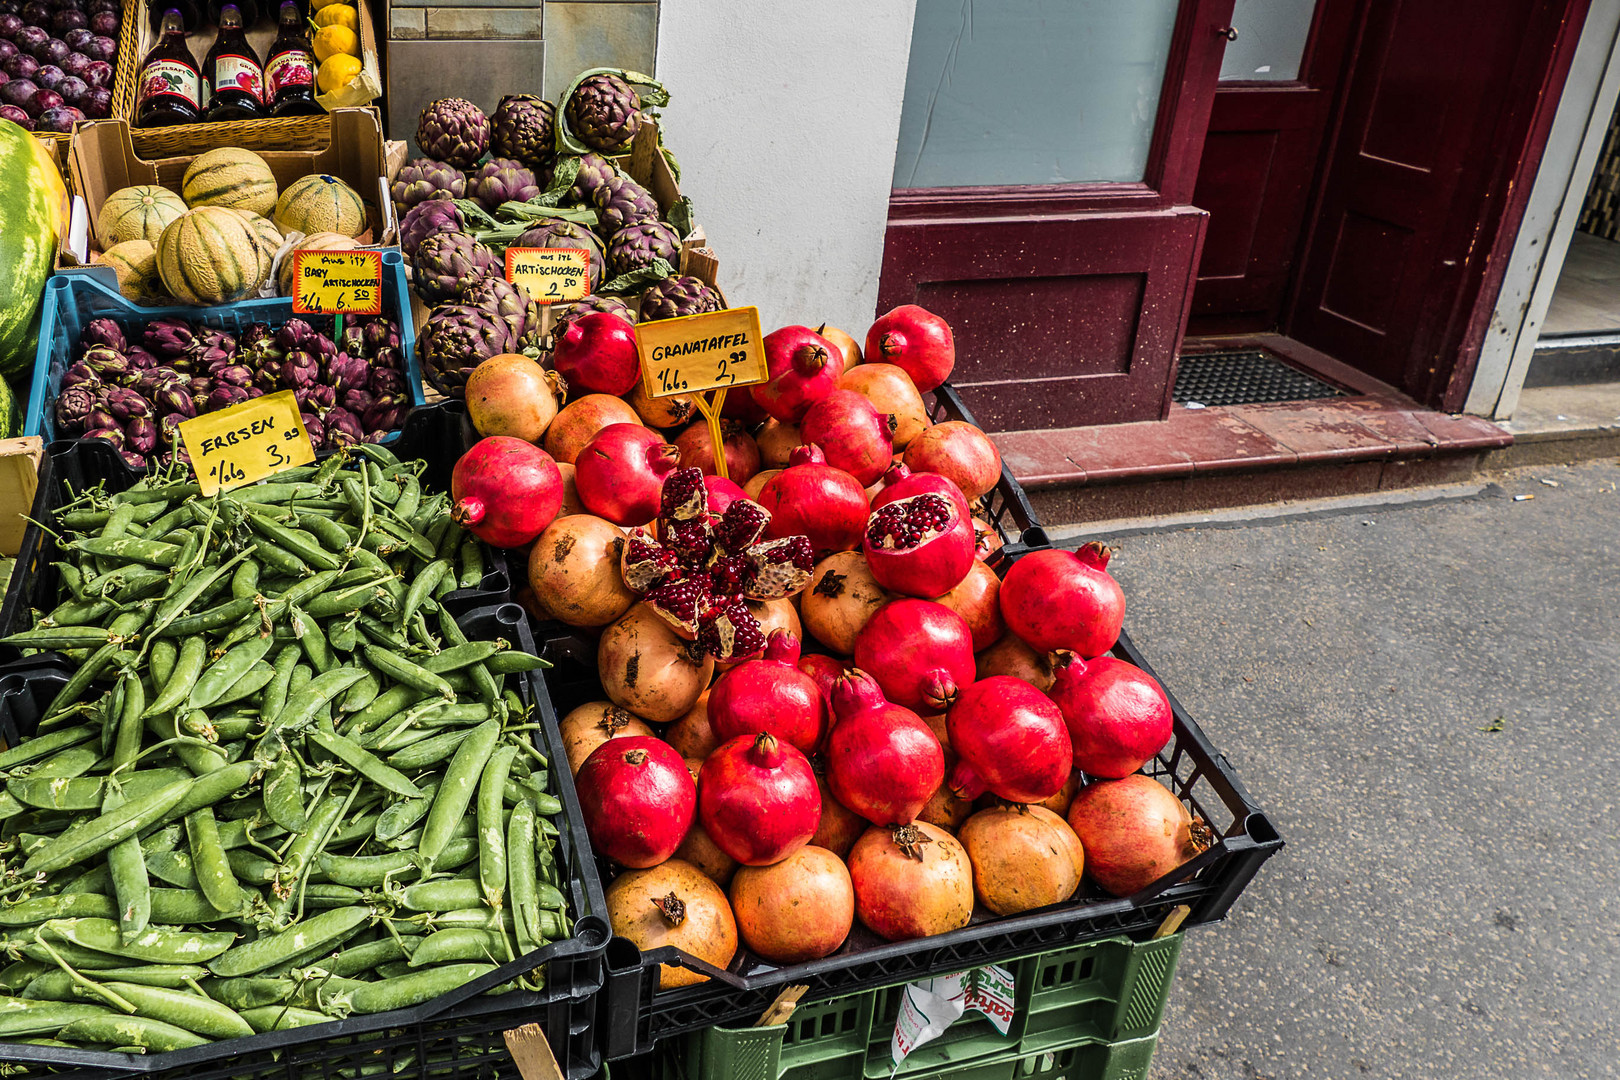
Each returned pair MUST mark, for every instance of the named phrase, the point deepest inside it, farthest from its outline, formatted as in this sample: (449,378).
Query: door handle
(1228,32)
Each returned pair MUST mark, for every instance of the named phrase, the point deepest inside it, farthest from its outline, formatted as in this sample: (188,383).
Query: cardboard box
(19,479)
(126,66)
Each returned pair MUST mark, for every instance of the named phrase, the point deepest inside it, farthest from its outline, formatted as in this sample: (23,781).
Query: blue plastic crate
(73,300)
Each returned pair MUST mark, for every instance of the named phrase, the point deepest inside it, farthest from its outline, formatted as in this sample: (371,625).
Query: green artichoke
(446,263)
(677,296)
(456,339)
(511,304)
(524,129)
(604,113)
(421,179)
(635,246)
(453,130)
(566,234)
(594,173)
(622,202)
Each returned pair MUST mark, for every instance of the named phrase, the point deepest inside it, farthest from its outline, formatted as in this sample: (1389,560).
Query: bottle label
(238,73)
(291,68)
(170,78)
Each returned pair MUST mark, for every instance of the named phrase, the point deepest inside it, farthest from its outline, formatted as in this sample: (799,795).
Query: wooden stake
(782,1007)
(532,1053)
(710,408)
(1172,922)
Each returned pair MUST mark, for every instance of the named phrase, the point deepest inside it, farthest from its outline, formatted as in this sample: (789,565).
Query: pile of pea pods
(281,786)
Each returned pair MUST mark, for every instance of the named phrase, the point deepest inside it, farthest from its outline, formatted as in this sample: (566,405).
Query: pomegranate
(506,490)
(1117,714)
(882,761)
(637,800)
(945,808)
(591,725)
(852,433)
(804,368)
(664,412)
(1134,832)
(900,482)
(1011,740)
(823,670)
(1059,804)
(770,694)
(796,910)
(986,540)
(741,408)
(919,546)
(701,851)
(621,473)
(840,826)
(1057,599)
(721,493)
(977,599)
(848,346)
(890,391)
(574,571)
(697,450)
(580,420)
(916,341)
(843,595)
(919,652)
(774,615)
(811,498)
(911,881)
(776,442)
(757,799)
(757,482)
(1010,656)
(1023,857)
(570,503)
(674,904)
(597,353)
(692,735)
(959,452)
(646,668)
(512,395)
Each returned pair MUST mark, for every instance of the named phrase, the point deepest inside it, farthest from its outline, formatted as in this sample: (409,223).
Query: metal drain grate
(1244,377)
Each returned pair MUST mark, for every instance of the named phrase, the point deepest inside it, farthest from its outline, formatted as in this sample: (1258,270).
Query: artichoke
(421,179)
(125,404)
(141,434)
(456,339)
(454,131)
(81,374)
(100,419)
(524,129)
(570,310)
(594,173)
(448,262)
(234,375)
(212,339)
(316,399)
(175,400)
(388,358)
(386,382)
(294,334)
(170,339)
(425,219)
(352,340)
(315,430)
(151,382)
(384,414)
(512,305)
(358,401)
(502,180)
(347,372)
(677,296)
(73,405)
(566,234)
(139,358)
(638,245)
(114,435)
(380,334)
(622,202)
(223,397)
(299,370)
(603,112)
(108,363)
(104,332)
(343,427)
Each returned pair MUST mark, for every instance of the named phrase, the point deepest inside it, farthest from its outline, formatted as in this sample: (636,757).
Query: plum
(77,39)
(104,23)
(76,63)
(18,92)
(54,51)
(9,25)
(7,50)
(98,73)
(21,66)
(101,48)
(72,90)
(62,118)
(49,75)
(35,13)
(63,21)
(16,116)
(97,103)
(43,101)
(30,38)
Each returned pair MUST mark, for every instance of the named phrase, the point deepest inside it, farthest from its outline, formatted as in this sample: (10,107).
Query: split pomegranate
(701,851)
(757,799)
(890,390)
(664,412)
(919,546)
(1011,740)
(674,904)
(1134,832)
(1056,599)
(692,735)
(848,346)
(770,694)
(840,826)
(637,800)
(852,433)
(591,725)
(919,652)
(1023,857)
(811,498)
(911,881)
(1117,714)
(843,595)
(977,599)
(579,422)
(574,571)
(512,395)
(621,473)
(1010,656)
(697,450)
(646,667)
(900,482)
(776,442)
(597,353)
(959,452)
(804,368)
(506,491)
(882,760)
(916,341)
(721,493)
(796,910)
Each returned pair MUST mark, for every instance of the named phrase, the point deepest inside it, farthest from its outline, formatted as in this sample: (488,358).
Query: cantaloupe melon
(141,212)
(230,177)
(268,235)
(135,263)
(211,256)
(320,203)
(326,241)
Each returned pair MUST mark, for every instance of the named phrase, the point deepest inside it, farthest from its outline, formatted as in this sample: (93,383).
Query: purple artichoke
(99,418)
(358,401)
(253,392)
(316,399)
(622,202)
(254,335)
(569,311)
(234,375)
(153,380)
(421,179)
(294,333)
(211,338)
(343,427)
(453,130)
(380,334)
(81,374)
(322,346)
(388,358)
(114,435)
(676,296)
(386,381)
(224,397)
(104,332)
(200,386)
(108,363)
(567,234)
(169,429)
(267,380)
(142,434)
(456,339)
(139,358)
(512,305)
(175,400)
(502,180)
(448,261)
(316,430)
(385,413)
(73,405)
(347,372)
(636,246)
(353,340)
(299,370)
(594,173)
(425,219)
(604,112)
(126,404)
(170,339)
(524,129)
(132,459)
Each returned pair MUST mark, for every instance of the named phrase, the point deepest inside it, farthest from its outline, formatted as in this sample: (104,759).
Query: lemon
(331,41)
(336,72)
(338,15)
(316,5)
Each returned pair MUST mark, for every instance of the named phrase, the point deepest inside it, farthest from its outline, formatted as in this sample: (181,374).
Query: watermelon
(11,424)
(33,213)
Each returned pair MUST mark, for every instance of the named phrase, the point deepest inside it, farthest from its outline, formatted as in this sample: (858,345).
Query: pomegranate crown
(855,691)
(808,454)
(782,647)
(810,358)
(1095,555)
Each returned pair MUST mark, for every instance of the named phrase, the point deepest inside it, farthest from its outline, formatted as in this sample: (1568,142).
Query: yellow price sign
(716,350)
(247,442)
(550,275)
(337,282)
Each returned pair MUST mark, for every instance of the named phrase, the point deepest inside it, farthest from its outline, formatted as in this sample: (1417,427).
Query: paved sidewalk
(1427,700)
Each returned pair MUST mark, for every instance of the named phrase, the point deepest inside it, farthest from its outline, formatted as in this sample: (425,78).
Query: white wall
(784,118)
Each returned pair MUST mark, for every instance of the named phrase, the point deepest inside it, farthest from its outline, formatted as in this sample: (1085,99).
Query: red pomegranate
(911,881)
(883,762)
(977,598)
(919,652)
(852,433)
(1057,599)
(1011,741)
(697,450)
(741,408)
(959,452)
(637,799)
(804,368)
(919,546)
(823,671)
(758,800)
(579,422)
(916,341)
(1117,714)
(597,353)
(620,473)
(900,483)
(722,493)
(797,910)
(1134,832)
(770,694)
(506,490)
(813,499)
(890,390)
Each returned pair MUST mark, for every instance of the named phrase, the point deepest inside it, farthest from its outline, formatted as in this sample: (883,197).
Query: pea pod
(522,880)
(155,946)
(251,993)
(492,851)
(456,790)
(283,795)
(126,864)
(187,907)
(255,679)
(308,634)
(187,670)
(208,861)
(43,746)
(85,841)
(402,670)
(302,547)
(40,909)
(20,1018)
(219,677)
(365,764)
(59,637)
(113,1030)
(514,662)
(323,930)
(404,814)
(461,943)
(442,895)
(282,1018)
(302,706)
(415,988)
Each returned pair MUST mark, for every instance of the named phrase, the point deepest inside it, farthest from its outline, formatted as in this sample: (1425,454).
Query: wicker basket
(125,66)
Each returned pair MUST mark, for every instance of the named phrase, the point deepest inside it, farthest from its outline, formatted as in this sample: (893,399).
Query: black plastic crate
(1007,507)
(435,433)
(454,1037)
